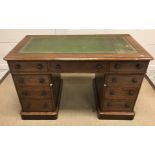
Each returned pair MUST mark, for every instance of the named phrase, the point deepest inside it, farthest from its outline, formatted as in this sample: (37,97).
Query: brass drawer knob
(39,66)
(134,80)
(117,66)
(131,92)
(41,80)
(21,80)
(139,66)
(99,66)
(43,93)
(58,66)
(17,66)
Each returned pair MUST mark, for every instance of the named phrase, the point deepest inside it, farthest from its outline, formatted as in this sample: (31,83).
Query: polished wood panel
(124,80)
(31,105)
(117,105)
(133,67)
(77,66)
(30,66)
(35,92)
(32,80)
(120,93)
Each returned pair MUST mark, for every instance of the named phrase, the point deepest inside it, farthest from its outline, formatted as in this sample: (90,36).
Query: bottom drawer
(37,105)
(117,105)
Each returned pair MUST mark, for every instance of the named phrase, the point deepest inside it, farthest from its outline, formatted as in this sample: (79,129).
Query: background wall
(9,38)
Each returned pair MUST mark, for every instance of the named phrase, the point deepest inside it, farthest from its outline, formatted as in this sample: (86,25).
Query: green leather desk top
(78,47)
(78,44)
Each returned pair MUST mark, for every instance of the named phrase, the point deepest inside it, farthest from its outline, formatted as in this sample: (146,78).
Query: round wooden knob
(25,93)
(43,93)
(108,104)
(139,66)
(17,66)
(131,92)
(28,106)
(134,80)
(99,66)
(39,66)
(41,80)
(45,105)
(126,105)
(21,80)
(117,66)
(58,66)
(113,80)
(111,92)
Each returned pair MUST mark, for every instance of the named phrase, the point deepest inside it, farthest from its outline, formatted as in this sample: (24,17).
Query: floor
(77,88)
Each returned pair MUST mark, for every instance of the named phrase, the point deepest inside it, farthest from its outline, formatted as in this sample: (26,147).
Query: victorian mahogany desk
(118,61)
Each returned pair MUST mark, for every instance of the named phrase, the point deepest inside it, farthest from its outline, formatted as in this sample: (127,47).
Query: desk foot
(44,115)
(116,115)
(110,115)
(39,115)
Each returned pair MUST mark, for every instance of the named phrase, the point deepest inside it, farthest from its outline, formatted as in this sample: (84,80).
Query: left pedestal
(39,90)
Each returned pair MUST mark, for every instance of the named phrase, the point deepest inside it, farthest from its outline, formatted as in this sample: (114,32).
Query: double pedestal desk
(118,61)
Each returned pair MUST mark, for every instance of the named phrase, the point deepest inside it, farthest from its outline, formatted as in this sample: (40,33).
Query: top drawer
(137,67)
(77,66)
(29,66)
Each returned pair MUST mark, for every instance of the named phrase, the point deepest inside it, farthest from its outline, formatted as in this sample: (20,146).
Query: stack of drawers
(117,84)
(34,86)
(121,86)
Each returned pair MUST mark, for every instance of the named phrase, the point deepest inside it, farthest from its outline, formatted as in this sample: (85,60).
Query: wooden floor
(77,104)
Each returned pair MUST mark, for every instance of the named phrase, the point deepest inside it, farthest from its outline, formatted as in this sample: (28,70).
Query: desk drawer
(136,67)
(124,80)
(29,66)
(77,66)
(35,92)
(117,105)
(120,93)
(37,105)
(32,80)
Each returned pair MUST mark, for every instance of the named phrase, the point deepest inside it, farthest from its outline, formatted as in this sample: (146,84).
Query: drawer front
(124,80)
(28,66)
(35,92)
(37,105)
(120,93)
(117,105)
(32,80)
(77,66)
(136,67)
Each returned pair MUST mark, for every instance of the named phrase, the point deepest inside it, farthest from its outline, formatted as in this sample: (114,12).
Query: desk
(118,61)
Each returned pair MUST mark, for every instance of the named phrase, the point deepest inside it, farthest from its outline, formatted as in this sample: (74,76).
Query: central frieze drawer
(77,66)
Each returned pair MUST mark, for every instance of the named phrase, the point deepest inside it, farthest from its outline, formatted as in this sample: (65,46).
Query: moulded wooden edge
(44,115)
